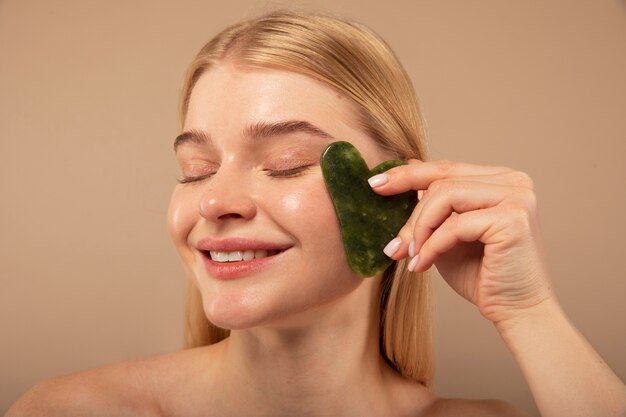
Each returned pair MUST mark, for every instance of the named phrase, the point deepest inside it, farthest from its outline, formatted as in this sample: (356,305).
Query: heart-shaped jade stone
(368,221)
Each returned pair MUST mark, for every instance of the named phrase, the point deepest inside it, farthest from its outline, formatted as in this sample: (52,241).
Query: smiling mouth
(240,255)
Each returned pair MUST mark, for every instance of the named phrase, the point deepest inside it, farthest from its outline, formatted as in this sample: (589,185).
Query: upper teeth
(240,255)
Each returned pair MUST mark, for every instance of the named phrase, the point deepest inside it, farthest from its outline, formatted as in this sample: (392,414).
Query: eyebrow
(257,130)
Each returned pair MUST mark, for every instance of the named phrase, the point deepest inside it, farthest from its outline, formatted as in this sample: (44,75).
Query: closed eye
(275,173)
(291,172)
(187,180)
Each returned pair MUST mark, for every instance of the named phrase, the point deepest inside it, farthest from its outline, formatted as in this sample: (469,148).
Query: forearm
(566,375)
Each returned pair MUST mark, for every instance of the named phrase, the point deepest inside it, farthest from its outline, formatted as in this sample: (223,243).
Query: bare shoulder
(470,408)
(132,388)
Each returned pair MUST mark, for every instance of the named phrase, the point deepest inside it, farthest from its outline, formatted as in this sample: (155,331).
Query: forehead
(229,93)
(228,97)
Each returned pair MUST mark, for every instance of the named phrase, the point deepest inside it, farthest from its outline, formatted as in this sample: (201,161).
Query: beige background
(88,94)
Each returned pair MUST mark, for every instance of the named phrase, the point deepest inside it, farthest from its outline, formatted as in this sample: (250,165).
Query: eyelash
(277,173)
(287,173)
(187,180)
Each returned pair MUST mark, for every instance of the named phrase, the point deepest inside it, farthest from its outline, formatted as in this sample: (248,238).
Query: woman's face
(252,186)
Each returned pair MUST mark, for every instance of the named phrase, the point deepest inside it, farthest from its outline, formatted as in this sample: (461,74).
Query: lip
(238,243)
(232,270)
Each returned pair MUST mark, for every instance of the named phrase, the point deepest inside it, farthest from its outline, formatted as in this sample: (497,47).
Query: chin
(231,318)
(241,314)
(235,311)
(286,301)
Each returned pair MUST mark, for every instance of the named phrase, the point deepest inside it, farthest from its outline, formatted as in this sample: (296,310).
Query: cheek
(292,203)
(309,206)
(180,218)
(311,216)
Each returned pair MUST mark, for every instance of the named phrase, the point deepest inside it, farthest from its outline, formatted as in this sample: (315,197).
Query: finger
(442,199)
(454,197)
(419,175)
(470,226)
(512,178)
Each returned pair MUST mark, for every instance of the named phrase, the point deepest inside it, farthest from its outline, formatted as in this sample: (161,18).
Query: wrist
(547,312)
(559,363)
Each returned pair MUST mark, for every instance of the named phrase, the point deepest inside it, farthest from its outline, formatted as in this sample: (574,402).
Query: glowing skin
(240,199)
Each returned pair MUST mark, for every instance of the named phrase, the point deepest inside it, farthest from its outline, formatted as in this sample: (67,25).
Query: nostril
(230,216)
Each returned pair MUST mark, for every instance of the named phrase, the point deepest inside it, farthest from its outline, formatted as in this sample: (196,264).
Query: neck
(329,366)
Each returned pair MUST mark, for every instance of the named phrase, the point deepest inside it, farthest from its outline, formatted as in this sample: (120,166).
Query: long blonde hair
(353,60)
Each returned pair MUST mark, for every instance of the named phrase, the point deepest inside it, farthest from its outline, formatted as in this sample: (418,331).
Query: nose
(227,196)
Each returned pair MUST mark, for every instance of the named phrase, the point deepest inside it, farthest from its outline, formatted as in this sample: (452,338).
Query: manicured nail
(392,247)
(412,248)
(413,263)
(378,180)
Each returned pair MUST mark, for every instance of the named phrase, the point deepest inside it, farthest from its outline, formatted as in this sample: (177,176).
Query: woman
(278,324)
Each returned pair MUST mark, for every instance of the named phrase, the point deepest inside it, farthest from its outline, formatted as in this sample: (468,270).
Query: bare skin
(304,337)
(170,385)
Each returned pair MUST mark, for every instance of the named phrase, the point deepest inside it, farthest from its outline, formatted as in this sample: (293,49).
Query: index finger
(418,175)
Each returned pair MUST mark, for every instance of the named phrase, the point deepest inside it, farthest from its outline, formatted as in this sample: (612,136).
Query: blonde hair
(353,60)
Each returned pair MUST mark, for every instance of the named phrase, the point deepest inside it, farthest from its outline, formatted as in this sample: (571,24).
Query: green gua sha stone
(368,221)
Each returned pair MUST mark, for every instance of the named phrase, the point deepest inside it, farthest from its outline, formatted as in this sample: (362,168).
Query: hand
(478,225)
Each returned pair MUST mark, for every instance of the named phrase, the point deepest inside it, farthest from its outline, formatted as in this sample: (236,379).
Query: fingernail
(413,263)
(392,247)
(378,180)
(412,248)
